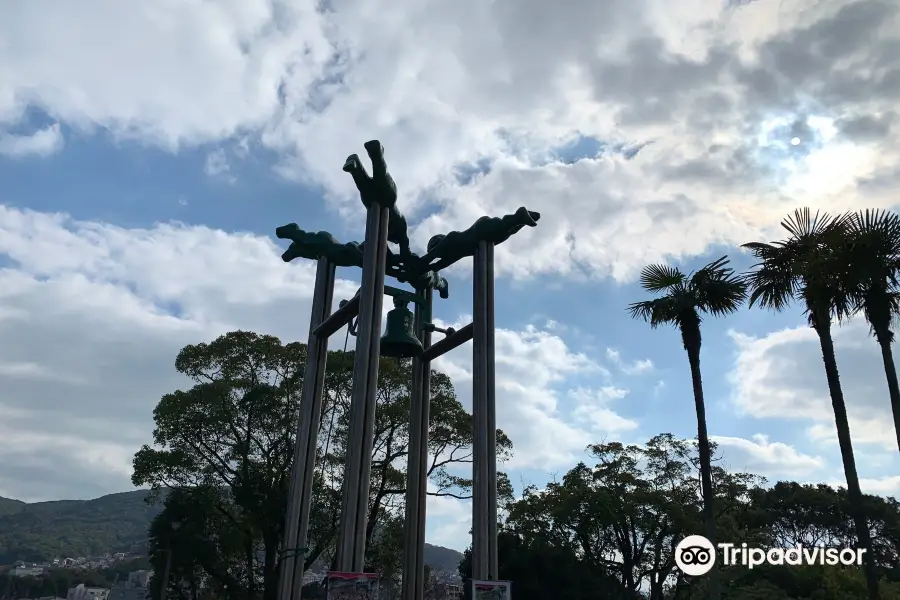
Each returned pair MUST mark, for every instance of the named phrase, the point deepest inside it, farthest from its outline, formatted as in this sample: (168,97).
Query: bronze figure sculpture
(447,249)
(380,188)
(315,245)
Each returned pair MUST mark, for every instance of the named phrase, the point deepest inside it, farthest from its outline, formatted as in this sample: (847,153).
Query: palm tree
(871,266)
(807,267)
(714,290)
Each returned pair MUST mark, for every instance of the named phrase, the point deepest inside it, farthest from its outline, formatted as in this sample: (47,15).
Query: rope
(294,552)
(331,424)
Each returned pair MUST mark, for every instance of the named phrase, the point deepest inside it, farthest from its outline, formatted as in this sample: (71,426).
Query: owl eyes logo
(695,555)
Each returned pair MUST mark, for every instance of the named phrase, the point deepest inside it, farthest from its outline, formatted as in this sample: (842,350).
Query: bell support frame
(384,221)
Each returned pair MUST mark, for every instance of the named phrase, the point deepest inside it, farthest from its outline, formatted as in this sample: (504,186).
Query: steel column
(306,441)
(491,418)
(417,461)
(482,402)
(351,547)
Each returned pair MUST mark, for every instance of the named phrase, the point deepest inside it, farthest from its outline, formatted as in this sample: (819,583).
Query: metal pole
(417,462)
(491,409)
(163,591)
(306,441)
(480,464)
(355,503)
(425,367)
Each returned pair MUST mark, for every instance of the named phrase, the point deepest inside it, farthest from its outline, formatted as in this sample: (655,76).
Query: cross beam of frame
(452,341)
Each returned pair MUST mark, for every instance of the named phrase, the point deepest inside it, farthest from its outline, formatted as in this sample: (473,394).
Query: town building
(137,587)
(23,570)
(80,592)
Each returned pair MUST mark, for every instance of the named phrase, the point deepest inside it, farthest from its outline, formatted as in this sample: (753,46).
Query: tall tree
(226,444)
(714,290)
(871,265)
(807,268)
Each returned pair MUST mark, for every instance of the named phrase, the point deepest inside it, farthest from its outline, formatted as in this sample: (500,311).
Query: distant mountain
(42,531)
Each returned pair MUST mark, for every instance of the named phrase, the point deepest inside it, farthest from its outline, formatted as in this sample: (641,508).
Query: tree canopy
(224,448)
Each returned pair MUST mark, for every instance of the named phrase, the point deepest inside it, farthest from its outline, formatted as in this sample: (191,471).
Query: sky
(149,150)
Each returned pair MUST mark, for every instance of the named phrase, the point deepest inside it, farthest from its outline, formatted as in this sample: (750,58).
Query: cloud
(884,486)
(449,520)
(634,368)
(93,316)
(780,375)
(43,142)
(768,459)
(710,95)
(549,425)
(216,165)
(592,408)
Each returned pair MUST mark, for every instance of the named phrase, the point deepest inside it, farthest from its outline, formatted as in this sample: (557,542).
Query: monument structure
(408,335)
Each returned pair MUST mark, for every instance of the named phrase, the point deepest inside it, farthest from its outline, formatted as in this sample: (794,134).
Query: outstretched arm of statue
(362,180)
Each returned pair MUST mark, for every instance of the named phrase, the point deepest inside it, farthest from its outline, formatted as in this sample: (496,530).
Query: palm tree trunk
(709,518)
(854,492)
(884,340)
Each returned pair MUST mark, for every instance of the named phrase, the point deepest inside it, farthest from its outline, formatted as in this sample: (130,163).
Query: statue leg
(376,154)
(527,217)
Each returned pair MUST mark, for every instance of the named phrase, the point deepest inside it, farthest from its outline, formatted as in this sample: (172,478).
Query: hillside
(42,531)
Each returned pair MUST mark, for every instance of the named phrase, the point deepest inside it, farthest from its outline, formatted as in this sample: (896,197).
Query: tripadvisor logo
(696,555)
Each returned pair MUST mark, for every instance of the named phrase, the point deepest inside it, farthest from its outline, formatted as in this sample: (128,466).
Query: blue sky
(140,190)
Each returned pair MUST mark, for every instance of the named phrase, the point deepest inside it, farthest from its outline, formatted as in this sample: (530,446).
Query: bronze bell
(399,339)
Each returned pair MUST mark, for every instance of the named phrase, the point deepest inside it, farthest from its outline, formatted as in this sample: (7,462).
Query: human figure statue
(444,250)
(314,245)
(379,188)
(307,244)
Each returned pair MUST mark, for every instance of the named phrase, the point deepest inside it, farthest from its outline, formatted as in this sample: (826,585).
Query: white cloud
(93,317)
(710,97)
(781,375)
(716,93)
(217,165)
(449,520)
(592,408)
(94,314)
(43,142)
(768,459)
(888,485)
(549,427)
(633,368)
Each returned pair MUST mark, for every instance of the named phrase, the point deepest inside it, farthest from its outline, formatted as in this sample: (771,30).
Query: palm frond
(713,289)
(658,277)
(772,284)
(656,312)
(807,266)
(872,251)
(870,265)
(717,289)
(805,225)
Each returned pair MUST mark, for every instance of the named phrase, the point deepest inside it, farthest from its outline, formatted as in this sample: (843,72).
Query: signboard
(352,586)
(491,590)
